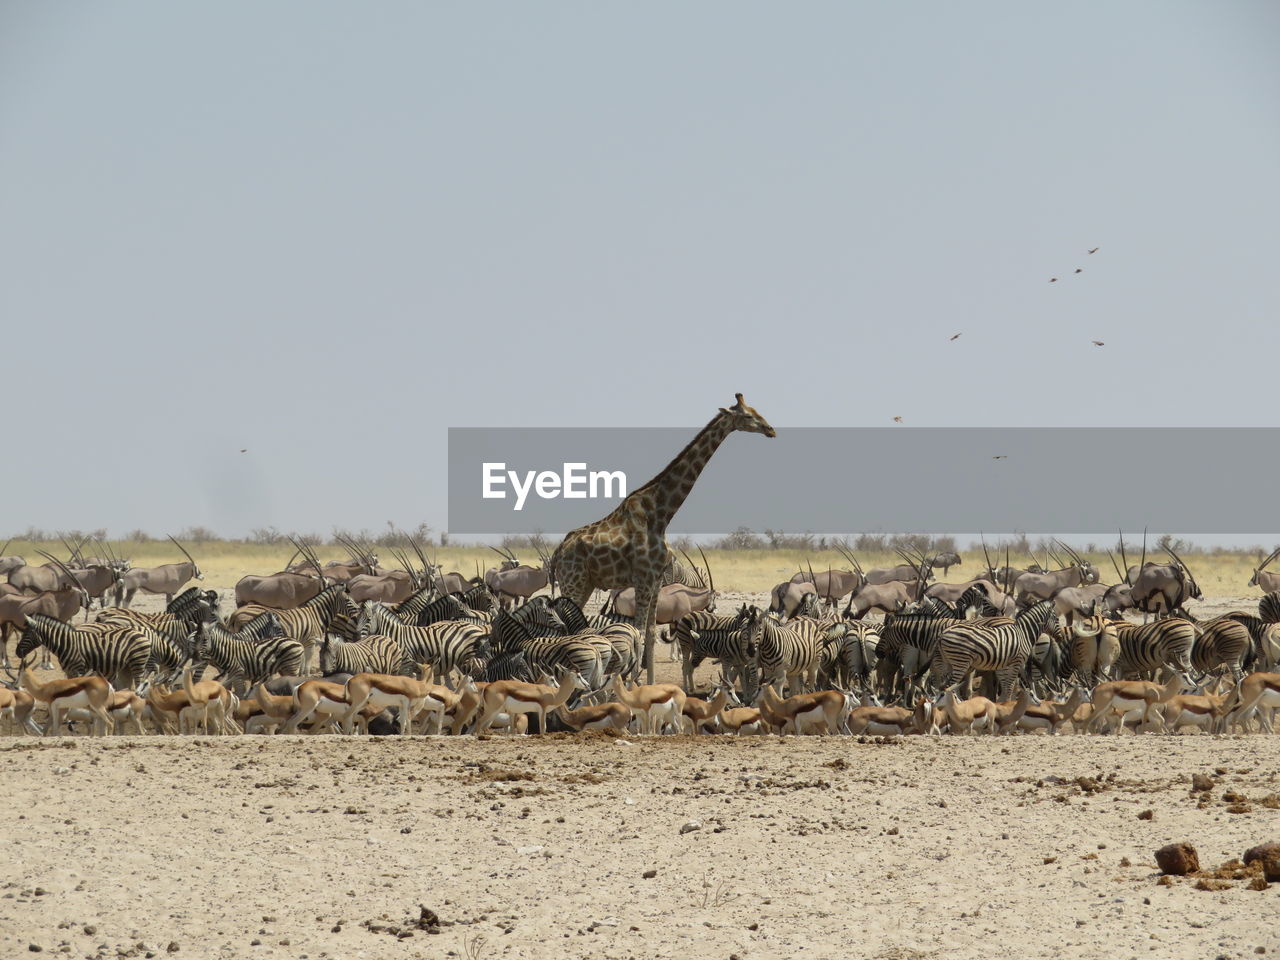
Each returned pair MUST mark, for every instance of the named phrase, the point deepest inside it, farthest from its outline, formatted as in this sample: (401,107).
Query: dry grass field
(1220,573)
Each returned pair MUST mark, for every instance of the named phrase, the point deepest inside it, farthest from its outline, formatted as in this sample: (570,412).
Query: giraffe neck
(670,487)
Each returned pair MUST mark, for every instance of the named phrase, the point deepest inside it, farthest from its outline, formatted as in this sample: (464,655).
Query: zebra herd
(908,661)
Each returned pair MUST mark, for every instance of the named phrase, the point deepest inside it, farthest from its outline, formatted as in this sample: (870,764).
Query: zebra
(702,635)
(1269,608)
(849,654)
(785,652)
(119,653)
(252,654)
(1222,641)
(625,640)
(554,654)
(171,639)
(308,624)
(907,647)
(373,654)
(446,645)
(424,608)
(993,644)
(1261,646)
(194,605)
(1145,648)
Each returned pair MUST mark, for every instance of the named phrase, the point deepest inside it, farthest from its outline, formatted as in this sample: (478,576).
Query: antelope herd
(351,647)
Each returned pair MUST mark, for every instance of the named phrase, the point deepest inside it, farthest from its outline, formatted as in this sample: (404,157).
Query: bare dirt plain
(947,847)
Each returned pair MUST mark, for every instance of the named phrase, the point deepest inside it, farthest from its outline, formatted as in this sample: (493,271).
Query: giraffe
(628,548)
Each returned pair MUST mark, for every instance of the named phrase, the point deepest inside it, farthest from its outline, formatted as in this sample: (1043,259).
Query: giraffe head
(746,418)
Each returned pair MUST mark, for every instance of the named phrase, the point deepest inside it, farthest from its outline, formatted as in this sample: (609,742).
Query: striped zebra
(555,655)
(702,635)
(446,644)
(118,653)
(907,647)
(788,653)
(849,654)
(623,637)
(171,639)
(1223,641)
(309,623)
(994,644)
(250,655)
(373,654)
(1146,647)
(1262,641)
(194,605)
(1269,608)
(425,608)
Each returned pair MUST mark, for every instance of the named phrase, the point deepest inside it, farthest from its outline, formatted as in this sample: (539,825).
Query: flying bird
(1079,269)
(244,449)
(956,337)
(1053,279)
(1099,343)
(1095,249)
(897,419)
(1003,456)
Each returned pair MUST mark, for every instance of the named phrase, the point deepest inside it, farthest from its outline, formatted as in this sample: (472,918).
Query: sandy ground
(306,847)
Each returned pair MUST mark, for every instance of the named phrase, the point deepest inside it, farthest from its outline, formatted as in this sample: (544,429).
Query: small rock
(1147,815)
(173,946)
(61,772)
(1178,859)
(524,851)
(691,826)
(649,874)
(35,947)
(1262,851)
(406,830)
(1201,782)
(623,743)
(89,929)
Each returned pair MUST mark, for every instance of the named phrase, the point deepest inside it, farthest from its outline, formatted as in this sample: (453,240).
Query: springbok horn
(184,550)
(6,546)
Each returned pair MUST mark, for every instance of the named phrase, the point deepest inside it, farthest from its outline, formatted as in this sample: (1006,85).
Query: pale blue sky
(326,231)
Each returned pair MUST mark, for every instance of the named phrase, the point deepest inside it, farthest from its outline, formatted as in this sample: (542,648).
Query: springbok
(1131,699)
(60,696)
(604,716)
(515,697)
(656,705)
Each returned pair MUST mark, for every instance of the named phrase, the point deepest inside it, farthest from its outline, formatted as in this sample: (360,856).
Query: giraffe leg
(646,614)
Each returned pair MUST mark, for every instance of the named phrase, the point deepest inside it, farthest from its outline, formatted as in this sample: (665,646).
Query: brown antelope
(741,720)
(409,696)
(93,693)
(264,712)
(18,705)
(1009,713)
(1258,694)
(516,696)
(213,697)
(1131,699)
(656,705)
(977,714)
(173,708)
(892,721)
(706,712)
(1194,710)
(605,716)
(1049,715)
(126,707)
(320,698)
(823,712)
(464,710)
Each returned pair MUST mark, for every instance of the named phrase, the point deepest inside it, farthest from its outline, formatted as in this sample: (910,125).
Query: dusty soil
(329,847)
